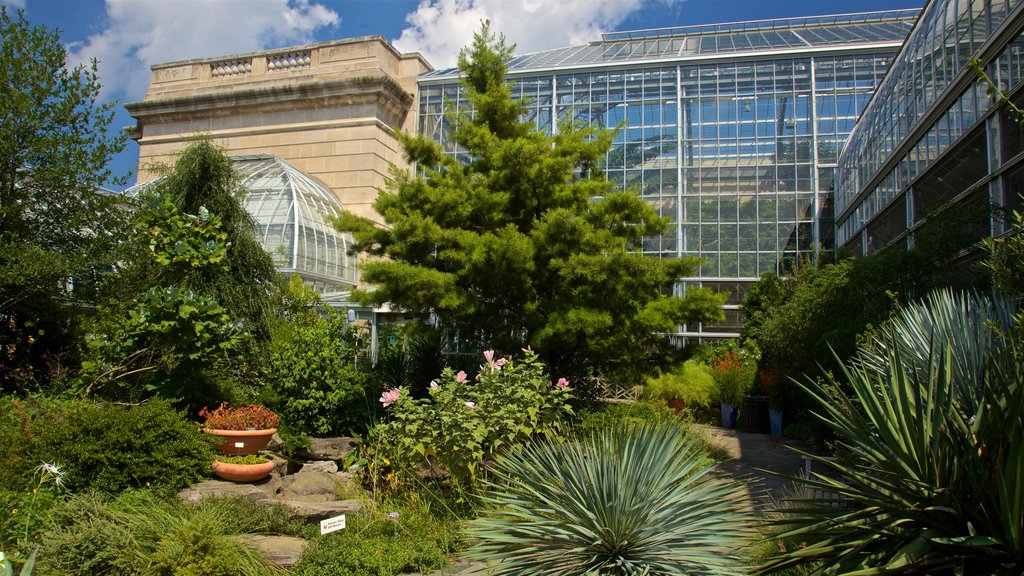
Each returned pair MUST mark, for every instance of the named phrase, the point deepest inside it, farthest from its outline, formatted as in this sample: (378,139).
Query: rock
(280,464)
(311,485)
(325,466)
(285,551)
(328,449)
(265,488)
(317,511)
(276,444)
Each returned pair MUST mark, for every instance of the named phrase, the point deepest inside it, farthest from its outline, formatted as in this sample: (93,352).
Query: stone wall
(330,109)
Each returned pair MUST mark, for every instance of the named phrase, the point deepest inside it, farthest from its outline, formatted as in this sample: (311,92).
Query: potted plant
(245,430)
(249,468)
(735,377)
(778,390)
(691,383)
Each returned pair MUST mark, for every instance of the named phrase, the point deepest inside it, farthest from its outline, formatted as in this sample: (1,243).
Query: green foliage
(140,534)
(192,301)
(313,380)
(636,500)
(1006,259)
(525,241)
(27,514)
(934,432)
(105,447)
(623,414)
(734,370)
(55,144)
(693,382)
(461,423)
(420,539)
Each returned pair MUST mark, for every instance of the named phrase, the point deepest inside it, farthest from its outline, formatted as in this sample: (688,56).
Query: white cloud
(440,28)
(139,34)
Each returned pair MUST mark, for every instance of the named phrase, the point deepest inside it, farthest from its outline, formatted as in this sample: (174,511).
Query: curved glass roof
(292,213)
(889,27)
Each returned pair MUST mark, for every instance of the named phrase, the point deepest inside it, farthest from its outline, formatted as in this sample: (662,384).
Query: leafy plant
(462,423)
(935,436)
(246,459)
(693,382)
(734,374)
(254,417)
(634,500)
(623,414)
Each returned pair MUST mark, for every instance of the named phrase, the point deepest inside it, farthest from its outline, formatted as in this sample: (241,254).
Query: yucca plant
(933,481)
(627,501)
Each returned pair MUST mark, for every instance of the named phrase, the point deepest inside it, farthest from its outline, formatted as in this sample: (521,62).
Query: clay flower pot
(242,442)
(242,472)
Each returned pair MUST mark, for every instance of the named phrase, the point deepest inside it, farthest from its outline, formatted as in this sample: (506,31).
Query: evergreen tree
(525,242)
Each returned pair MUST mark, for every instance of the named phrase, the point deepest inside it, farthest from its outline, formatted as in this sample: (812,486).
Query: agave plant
(934,478)
(630,501)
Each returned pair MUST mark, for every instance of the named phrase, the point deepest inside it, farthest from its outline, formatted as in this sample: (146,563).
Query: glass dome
(292,213)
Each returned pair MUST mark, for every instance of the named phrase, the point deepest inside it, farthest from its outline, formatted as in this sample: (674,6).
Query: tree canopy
(525,242)
(55,224)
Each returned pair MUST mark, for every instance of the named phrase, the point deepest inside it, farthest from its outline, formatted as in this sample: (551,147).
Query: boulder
(311,485)
(280,464)
(265,488)
(336,449)
(325,466)
(285,551)
(276,444)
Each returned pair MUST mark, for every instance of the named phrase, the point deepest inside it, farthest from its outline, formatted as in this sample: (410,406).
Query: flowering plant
(254,417)
(463,422)
(734,373)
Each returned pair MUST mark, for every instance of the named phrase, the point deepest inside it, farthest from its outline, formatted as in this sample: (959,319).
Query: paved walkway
(750,454)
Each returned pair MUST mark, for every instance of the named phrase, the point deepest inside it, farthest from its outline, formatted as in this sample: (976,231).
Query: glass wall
(897,171)
(738,153)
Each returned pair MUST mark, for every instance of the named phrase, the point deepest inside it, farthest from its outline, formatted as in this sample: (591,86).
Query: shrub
(254,417)
(693,383)
(935,434)
(313,381)
(417,539)
(635,500)
(105,447)
(621,414)
(140,533)
(734,374)
(461,423)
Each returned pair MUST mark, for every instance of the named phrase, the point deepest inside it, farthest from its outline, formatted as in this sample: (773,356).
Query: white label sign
(239,444)
(332,524)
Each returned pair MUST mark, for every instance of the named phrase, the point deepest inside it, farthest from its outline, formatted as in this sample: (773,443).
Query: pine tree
(526,242)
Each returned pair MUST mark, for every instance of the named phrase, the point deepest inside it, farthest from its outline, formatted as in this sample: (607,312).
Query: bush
(693,383)
(462,423)
(418,539)
(620,414)
(634,500)
(734,373)
(313,382)
(141,533)
(103,446)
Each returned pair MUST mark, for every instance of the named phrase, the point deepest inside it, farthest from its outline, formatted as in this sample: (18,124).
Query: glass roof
(718,39)
(292,213)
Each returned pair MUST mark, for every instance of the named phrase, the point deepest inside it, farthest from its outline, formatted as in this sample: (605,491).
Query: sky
(126,37)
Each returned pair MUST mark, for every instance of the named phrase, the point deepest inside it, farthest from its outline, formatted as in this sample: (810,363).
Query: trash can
(754,414)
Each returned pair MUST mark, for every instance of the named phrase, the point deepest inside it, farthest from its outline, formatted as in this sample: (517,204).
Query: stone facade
(330,109)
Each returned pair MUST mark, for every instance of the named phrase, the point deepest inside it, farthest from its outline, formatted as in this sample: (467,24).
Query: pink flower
(389,397)
(461,377)
(562,383)
(489,356)
(501,361)
(471,405)
(433,383)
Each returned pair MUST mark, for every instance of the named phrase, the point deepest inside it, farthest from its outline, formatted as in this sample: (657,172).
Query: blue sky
(127,36)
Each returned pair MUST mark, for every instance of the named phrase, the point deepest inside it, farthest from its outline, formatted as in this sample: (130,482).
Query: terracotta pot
(242,472)
(677,405)
(242,442)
